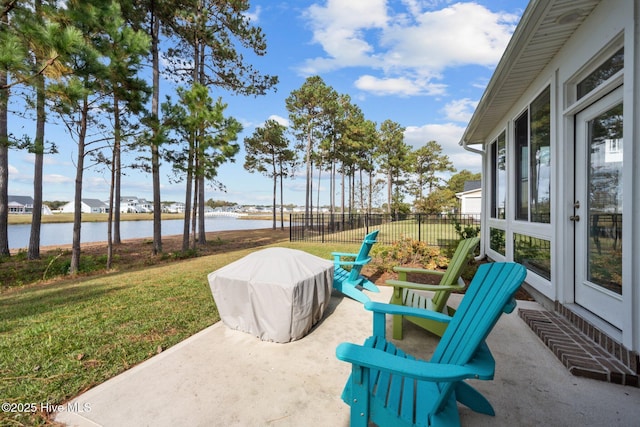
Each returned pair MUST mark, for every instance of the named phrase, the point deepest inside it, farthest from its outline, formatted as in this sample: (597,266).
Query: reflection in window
(498,177)
(610,67)
(533,253)
(497,240)
(605,199)
(541,158)
(521,130)
(532,132)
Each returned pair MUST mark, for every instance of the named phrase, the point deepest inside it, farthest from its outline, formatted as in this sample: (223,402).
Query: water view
(62,234)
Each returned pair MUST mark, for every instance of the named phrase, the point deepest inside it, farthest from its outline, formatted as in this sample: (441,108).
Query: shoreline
(60,218)
(96,232)
(210,235)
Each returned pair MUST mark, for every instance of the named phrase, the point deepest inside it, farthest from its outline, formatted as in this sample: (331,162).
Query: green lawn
(59,340)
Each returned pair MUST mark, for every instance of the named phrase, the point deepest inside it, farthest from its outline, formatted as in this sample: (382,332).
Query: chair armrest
(423,286)
(393,309)
(343,254)
(338,261)
(400,269)
(420,370)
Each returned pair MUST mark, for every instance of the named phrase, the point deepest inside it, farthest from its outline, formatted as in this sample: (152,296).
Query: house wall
(471,204)
(84,208)
(610,20)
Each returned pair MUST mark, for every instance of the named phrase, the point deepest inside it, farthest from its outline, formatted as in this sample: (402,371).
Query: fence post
(366,223)
(419,228)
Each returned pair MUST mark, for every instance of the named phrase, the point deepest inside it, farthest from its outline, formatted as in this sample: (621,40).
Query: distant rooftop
(472,185)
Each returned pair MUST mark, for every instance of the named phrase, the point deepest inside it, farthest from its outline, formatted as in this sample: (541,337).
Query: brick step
(582,356)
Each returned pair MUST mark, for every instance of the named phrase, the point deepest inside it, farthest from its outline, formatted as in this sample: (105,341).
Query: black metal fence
(435,230)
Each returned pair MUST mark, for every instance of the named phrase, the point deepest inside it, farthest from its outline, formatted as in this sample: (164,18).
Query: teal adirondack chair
(350,282)
(404,291)
(391,388)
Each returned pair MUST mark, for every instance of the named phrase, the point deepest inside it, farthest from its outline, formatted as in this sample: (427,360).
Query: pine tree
(309,116)
(392,153)
(268,152)
(197,112)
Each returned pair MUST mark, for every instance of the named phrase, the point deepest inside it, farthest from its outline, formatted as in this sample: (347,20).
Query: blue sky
(421,63)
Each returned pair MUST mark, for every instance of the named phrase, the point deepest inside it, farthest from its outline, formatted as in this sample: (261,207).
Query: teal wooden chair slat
(404,292)
(391,388)
(349,281)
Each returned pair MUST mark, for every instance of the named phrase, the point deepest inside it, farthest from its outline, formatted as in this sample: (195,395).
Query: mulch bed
(380,278)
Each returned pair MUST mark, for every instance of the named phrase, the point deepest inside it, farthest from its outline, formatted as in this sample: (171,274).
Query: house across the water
(24,205)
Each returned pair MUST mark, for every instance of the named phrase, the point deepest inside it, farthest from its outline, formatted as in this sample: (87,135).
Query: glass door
(597,214)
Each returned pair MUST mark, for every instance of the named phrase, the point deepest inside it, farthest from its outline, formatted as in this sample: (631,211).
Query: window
(521,130)
(541,158)
(610,67)
(498,177)
(532,132)
(497,240)
(533,253)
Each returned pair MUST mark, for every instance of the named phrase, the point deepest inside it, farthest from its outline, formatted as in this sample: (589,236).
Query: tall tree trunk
(155,149)
(202,237)
(333,179)
(4,163)
(342,190)
(275,187)
(350,183)
(389,191)
(281,199)
(318,190)
(187,198)
(38,150)
(362,200)
(311,192)
(117,178)
(36,214)
(370,210)
(115,171)
(77,210)
(307,196)
(194,213)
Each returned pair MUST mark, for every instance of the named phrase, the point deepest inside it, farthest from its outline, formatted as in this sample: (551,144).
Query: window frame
(495,176)
(525,163)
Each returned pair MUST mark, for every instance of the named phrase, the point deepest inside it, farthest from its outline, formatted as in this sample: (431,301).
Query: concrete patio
(221,377)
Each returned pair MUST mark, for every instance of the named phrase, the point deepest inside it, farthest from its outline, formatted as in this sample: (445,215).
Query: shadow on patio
(221,377)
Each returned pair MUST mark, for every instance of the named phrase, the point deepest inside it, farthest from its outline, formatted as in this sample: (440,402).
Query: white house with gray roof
(87,206)
(24,205)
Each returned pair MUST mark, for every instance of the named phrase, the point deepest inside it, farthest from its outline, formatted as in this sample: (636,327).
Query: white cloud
(283,121)
(409,49)
(340,27)
(399,86)
(57,179)
(461,34)
(48,160)
(254,17)
(13,171)
(460,110)
(448,136)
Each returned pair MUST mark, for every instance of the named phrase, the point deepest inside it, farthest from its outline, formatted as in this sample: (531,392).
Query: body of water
(62,234)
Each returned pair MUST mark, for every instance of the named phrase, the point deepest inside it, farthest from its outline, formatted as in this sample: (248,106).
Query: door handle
(574,218)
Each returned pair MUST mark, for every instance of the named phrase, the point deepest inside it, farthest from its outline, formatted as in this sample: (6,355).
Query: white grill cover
(276,294)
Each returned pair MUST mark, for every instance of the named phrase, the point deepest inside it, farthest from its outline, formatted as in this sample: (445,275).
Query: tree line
(94,65)
(329,134)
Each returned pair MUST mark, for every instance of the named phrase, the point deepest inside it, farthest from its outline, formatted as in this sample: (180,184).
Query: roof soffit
(539,36)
